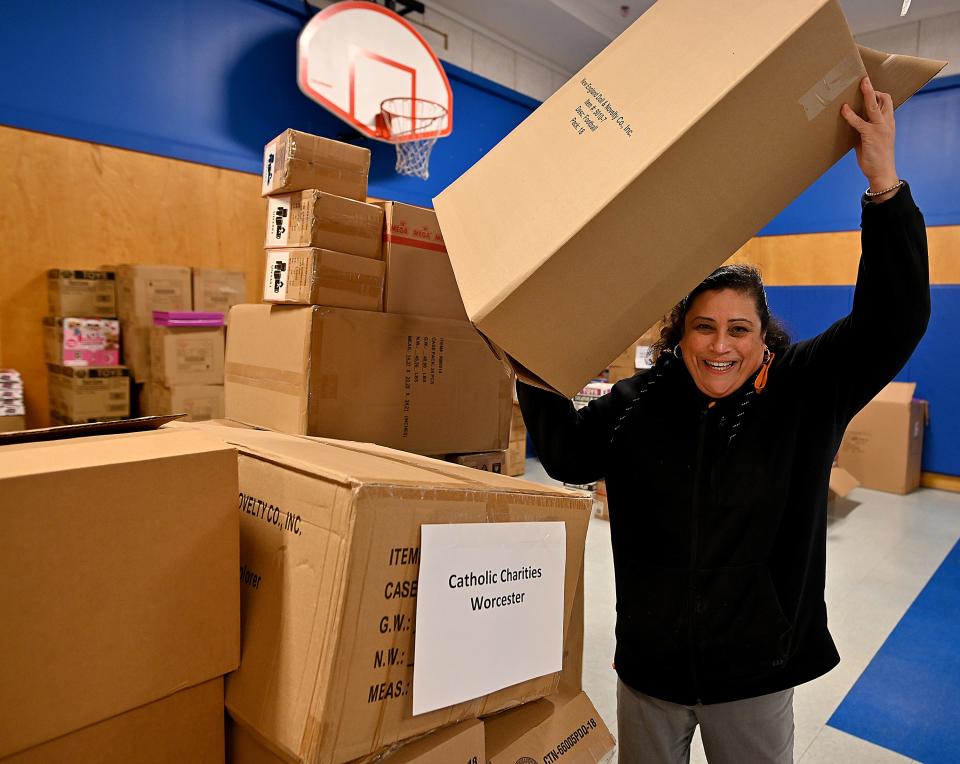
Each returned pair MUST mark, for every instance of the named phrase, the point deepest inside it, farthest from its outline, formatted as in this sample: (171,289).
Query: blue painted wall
(211,81)
(208,81)
(934,366)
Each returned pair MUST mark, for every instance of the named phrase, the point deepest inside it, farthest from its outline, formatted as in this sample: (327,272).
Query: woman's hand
(875,148)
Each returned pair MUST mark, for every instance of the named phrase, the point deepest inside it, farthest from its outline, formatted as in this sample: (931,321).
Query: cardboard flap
(63,432)
(842,482)
(897,392)
(900,76)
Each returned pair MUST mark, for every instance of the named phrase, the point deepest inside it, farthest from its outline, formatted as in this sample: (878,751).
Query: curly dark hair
(741,278)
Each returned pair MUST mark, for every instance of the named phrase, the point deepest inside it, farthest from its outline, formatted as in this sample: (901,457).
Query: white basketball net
(413,124)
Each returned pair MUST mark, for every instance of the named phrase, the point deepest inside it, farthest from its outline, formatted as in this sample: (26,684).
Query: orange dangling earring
(761,381)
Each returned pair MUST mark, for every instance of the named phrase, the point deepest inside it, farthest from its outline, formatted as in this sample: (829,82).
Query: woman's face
(722,345)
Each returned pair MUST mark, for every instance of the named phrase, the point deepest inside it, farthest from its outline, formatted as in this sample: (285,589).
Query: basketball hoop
(413,124)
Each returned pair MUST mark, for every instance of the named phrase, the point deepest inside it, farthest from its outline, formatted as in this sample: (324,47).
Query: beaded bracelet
(870,194)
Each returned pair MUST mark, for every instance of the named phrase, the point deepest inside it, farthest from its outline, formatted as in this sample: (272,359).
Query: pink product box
(187,318)
(83,341)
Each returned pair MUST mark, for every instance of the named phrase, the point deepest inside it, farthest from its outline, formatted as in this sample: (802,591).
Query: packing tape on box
(275,380)
(346,281)
(418,243)
(826,90)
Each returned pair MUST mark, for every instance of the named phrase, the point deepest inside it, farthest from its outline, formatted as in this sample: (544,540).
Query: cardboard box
(419,277)
(518,430)
(841,483)
(516,458)
(86,394)
(135,349)
(142,289)
(92,294)
(883,444)
(427,385)
(216,290)
(330,534)
(186,355)
(564,727)
(13,423)
(314,219)
(295,161)
(601,509)
(120,584)
(186,726)
(310,276)
(631,224)
(490,461)
(198,402)
(70,341)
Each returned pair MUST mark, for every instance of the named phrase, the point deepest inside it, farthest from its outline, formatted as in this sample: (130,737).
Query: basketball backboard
(353,56)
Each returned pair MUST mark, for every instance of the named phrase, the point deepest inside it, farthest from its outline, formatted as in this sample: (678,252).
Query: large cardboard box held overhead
(564,727)
(427,385)
(119,562)
(419,277)
(883,445)
(184,727)
(648,169)
(329,562)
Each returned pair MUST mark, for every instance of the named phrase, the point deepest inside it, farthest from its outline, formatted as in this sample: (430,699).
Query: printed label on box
(275,287)
(269,164)
(278,208)
(493,592)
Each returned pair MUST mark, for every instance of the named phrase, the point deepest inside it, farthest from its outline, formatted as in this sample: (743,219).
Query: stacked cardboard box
(216,290)
(82,348)
(330,362)
(517,450)
(142,289)
(13,414)
(330,539)
(186,365)
(118,625)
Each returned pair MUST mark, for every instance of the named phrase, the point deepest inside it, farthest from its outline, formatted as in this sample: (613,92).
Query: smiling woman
(717,463)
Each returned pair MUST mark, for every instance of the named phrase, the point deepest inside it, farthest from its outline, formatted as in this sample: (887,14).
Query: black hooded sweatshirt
(718,509)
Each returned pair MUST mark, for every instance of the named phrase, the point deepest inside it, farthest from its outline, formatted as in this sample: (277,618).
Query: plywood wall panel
(73,204)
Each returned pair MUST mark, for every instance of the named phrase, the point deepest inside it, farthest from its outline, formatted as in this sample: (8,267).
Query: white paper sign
(489,609)
(275,285)
(278,221)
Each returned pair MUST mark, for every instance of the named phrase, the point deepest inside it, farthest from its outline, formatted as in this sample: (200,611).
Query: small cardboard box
(518,430)
(314,219)
(427,385)
(627,152)
(198,402)
(71,341)
(92,294)
(490,461)
(310,276)
(142,289)
(87,394)
(841,483)
(563,727)
(296,161)
(186,726)
(190,355)
(329,550)
(135,349)
(216,290)
(516,462)
(120,584)
(419,277)
(883,444)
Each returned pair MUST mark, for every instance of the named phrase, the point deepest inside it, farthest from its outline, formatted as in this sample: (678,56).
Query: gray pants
(750,731)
